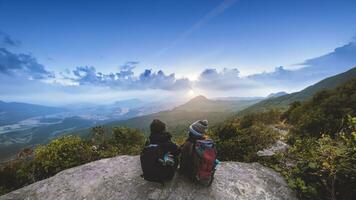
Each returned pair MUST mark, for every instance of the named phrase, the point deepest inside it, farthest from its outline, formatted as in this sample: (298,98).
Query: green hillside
(321,134)
(283,102)
(180,117)
(202,104)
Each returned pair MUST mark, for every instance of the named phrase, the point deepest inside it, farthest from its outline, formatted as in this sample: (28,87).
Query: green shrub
(60,154)
(325,113)
(240,139)
(129,141)
(11,176)
(323,170)
(66,152)
(321,162)
(3,190)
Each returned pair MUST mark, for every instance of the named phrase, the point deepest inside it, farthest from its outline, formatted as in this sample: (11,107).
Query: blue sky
(125,49)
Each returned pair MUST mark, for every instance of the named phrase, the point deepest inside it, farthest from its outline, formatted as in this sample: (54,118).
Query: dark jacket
(165,142)
(186,160)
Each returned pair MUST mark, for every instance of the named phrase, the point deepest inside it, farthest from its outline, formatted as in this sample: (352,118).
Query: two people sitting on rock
(159,158)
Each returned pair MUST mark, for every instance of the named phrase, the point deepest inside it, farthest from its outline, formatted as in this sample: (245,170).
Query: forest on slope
(284,101)
(320,162)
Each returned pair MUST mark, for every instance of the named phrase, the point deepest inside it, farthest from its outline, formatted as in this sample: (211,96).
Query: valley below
(44,127)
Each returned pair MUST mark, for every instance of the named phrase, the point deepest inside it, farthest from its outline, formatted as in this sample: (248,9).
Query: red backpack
(204,161)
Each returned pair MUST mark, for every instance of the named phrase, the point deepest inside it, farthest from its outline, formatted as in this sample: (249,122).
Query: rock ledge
(119,178)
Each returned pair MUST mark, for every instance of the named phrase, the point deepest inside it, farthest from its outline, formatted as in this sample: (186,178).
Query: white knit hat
(199,128)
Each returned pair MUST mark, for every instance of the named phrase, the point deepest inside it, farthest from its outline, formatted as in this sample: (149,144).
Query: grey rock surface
(119,178)
(279,146)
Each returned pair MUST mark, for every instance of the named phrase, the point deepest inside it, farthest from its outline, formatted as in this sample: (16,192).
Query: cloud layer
(6,40)
(22,65)
(226,79)
(341,59)
(125,79)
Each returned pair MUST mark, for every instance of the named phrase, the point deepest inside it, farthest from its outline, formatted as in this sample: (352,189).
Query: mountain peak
(200,98)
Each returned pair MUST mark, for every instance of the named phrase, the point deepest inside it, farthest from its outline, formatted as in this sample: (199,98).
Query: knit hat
(199,128)
(157,127)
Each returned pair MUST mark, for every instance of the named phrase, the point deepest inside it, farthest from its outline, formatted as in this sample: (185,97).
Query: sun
(191,93)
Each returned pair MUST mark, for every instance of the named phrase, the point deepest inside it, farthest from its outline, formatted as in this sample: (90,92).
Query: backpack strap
(148,142)
(191,148)
(153,145)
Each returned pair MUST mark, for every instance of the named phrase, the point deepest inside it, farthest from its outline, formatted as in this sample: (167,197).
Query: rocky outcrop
(277,147)
(119,178)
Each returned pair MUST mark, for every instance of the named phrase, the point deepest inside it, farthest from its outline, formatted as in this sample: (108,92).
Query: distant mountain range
(130,103)
(284,101)
(12,112)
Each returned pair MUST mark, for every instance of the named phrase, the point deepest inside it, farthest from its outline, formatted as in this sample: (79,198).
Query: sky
(62,52)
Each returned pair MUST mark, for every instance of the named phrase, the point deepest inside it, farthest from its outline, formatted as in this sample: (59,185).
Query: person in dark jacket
(160,136)
(196,132)
(163,167)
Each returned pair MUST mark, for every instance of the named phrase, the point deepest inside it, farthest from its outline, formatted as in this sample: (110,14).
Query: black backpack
(152,168)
